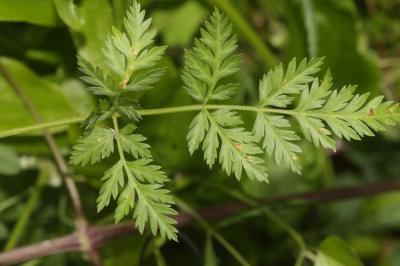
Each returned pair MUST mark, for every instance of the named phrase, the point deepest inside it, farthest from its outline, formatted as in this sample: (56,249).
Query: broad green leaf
(39,12)
(84,19)
(70,13)
(47,97)
(333,251)
(177,26)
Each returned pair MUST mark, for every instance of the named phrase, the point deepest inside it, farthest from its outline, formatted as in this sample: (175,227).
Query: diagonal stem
(62,166)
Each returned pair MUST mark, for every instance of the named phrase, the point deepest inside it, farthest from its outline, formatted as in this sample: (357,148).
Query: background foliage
(39,41)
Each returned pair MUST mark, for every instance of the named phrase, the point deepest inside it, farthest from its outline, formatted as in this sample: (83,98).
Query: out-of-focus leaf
(76,93)
(46,96)
(339,41)
(9,163)
(333,251)
(92,19)
(3,231)
(70,13)
(178,26)
(382,211)
(39,12)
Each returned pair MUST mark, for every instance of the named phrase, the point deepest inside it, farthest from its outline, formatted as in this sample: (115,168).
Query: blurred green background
(360,40)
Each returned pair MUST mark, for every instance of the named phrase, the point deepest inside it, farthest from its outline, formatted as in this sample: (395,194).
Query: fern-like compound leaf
(278,87)
(146,172)
(138,186)
(278,139)
(100,83)
(211,60)
(322,113)
(222,138)
(129,51)
(154,207)
(146,80)
(134,143)
(344,114)
(98,145)
(113,179)
(197,130)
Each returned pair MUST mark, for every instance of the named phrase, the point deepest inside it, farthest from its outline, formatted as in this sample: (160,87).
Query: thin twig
(100,235)
(60,162)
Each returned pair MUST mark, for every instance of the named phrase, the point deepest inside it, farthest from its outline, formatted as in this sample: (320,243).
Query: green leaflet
(211,60)
(113,179)
(98,145)
(127,52)
(277,87)
(278,139)
(285,95)
(134,143)
(234,146)
(134,181)
(321,112)
(101,84)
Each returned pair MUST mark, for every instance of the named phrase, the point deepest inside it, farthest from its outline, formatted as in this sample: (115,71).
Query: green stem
(27,211)
(116,132)
(232,250)
(199,107)
(39,126)
(247,32)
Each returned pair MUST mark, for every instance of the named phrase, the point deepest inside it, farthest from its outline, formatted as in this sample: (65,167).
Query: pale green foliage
(277,87)
(143,193)
(285,95)
(278,139)
(134,143)
(97,145)
(128,52)
(321,112)
(101,84)
(211,60)
(238,148)
(140,183)
(133,181)
(221,137)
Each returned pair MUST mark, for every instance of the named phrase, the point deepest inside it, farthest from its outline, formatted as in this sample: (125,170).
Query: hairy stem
(198,107)
(41,126)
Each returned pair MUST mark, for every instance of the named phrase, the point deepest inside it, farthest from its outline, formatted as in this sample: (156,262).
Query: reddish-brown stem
(99,235)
